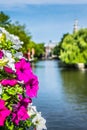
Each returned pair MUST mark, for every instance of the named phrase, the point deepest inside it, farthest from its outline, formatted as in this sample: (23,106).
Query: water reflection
(62,97)
(75,85)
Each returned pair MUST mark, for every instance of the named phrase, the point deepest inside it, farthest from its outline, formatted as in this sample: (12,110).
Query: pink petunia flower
(20,114)
(4,112)
(23,70)
(1,54)
(32,86)
(20,110)
(24,101)
(8,70)
(10,82)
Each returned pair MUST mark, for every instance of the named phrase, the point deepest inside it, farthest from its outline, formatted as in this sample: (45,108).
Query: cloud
(16,2)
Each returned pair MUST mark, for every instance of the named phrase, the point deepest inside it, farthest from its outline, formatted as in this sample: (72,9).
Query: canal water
(62,96)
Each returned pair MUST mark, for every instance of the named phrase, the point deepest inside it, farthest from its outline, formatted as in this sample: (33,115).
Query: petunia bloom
(39,122)
(20,110)
(1,54)
(0,89)
(24,101)
(32,109)
(18,55)
(23,70)
(4,112)
(10,58)
(20,114)
(10,82)
(8,70)
(32,86)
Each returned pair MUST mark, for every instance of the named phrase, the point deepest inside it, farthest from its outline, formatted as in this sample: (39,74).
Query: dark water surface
(62,97)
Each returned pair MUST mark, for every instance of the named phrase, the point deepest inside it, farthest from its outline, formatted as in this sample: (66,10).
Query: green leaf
(5,96)
(9,125)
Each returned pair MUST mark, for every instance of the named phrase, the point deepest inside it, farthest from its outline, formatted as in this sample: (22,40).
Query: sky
(47,19)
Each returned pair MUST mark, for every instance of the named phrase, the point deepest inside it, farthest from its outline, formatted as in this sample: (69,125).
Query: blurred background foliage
(25,36)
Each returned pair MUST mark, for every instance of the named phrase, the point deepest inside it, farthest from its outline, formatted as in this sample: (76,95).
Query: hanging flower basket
(18,85)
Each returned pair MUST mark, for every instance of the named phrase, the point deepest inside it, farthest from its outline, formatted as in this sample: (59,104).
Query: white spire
(75,29)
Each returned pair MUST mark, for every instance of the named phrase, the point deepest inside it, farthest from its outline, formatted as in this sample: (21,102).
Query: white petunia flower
(11,64)
(18,55)
(11,60)
(14,39)
(31,109)
(7,53)
(16,47)
(39,122)
(0,89)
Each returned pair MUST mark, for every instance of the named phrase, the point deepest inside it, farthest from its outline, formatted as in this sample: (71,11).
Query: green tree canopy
(4,19)
(73,47)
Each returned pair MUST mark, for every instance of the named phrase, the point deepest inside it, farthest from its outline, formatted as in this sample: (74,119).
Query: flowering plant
(18,85)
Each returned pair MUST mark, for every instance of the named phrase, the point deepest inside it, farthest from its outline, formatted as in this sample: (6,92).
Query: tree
(39,50)
(74,47)
(4,19)
(56,50)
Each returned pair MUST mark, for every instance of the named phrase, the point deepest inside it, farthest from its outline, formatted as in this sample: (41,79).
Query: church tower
(75,29)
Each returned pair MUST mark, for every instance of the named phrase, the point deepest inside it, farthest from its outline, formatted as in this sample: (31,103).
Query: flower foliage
(18,85)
